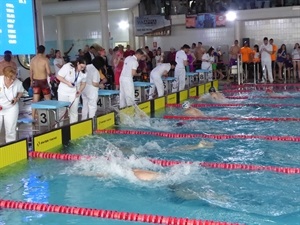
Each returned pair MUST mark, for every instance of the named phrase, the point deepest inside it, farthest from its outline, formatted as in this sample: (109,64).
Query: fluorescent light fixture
(231,16)
(123,25)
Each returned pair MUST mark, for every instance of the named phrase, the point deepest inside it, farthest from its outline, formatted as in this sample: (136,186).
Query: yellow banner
(201,89)
(172,98)
(193,92)
(48,141)
(13,153)
(183,95)
(106,121)
(159,103)
(81,129)
(145,107)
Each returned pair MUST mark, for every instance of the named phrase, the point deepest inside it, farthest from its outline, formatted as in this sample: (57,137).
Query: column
(131,29)
(237,30)
(142,42)
(39,23)
(59,34)
(104,24)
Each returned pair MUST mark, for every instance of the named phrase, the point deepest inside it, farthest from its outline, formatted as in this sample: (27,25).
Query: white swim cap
(186,105)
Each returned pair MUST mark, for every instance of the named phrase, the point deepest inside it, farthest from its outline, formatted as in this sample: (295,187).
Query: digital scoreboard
(17,32)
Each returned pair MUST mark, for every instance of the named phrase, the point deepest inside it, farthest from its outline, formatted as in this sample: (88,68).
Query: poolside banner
(154,25)
(13,152)
(206,20)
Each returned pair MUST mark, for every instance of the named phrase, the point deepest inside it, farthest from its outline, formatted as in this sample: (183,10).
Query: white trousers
(73,110)
(179,75)
(267,66)
(127,97)
(89,101)
(10,117)
(158,84)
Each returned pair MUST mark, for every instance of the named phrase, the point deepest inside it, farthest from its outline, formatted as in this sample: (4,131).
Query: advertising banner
(206,20)
(152,26)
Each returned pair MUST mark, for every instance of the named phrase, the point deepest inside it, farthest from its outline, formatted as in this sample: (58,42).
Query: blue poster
(17,32)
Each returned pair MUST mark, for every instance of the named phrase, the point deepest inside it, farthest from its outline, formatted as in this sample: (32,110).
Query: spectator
(10,93)
(90,55)
(8,61)
(128,52)
(265,51)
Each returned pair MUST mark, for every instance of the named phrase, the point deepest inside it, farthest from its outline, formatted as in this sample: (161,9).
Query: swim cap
(211,89)
(186,105)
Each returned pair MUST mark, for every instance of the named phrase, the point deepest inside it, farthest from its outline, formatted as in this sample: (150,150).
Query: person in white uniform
(11,90)
(182,62)
(90,92)
(131,64)
(266,49)
(208,59)
(156,78)
(72,79)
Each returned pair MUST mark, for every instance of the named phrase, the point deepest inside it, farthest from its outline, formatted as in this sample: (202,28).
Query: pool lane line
(197,135)
(222,105)
(261,85)
(259,119)
(253,97)
(105,214)
(168,163)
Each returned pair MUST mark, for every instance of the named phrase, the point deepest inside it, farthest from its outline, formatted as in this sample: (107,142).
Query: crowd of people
(118,68)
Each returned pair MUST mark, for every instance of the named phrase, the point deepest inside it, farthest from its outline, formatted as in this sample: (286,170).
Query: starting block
(191,79)
(204,75)
(168,84)
(141,90)
(105,98)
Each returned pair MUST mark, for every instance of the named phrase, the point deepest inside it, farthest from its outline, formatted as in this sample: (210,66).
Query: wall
(82,29)
(285,31)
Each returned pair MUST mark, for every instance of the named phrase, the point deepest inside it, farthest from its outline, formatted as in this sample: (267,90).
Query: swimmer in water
(201,144)
(143,175)
(214,95)
(191,111)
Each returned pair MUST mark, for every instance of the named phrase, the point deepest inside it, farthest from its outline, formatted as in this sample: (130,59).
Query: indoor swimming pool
(188,190)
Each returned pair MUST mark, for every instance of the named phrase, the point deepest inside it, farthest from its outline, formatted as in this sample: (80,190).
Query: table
(204,75)
(191,79)
(140,90)
(168,84)
(105,97)
(44,108)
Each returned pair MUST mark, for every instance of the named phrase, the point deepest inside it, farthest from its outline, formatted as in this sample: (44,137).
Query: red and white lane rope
(167,163)
(105,214)
(210,136)
(222,105)
(259,119)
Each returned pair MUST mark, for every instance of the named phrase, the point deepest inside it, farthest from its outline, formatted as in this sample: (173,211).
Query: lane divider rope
(206,105)
(210,136)
(167,163)
(105,214)
(259,119)
(261,85)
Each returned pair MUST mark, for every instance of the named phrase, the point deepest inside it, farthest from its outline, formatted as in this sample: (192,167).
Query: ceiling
(55,7)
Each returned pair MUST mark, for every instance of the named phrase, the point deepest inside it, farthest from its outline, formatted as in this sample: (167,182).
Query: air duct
(84,6)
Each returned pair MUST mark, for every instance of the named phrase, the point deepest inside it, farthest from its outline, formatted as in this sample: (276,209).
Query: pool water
(185,190)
